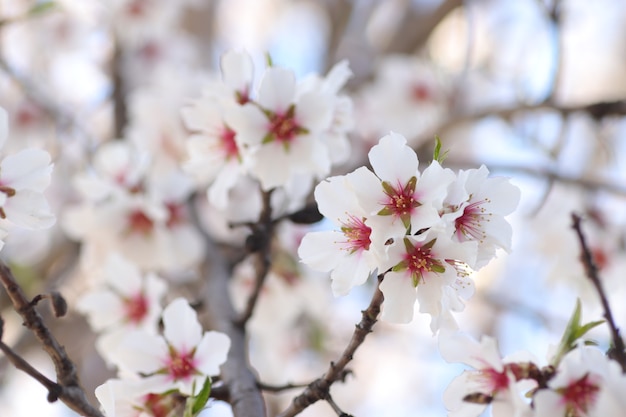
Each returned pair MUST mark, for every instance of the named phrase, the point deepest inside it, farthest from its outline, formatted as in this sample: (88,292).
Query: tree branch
(239,381)
(261,242)
(71,393)
(617,353)
(320,388)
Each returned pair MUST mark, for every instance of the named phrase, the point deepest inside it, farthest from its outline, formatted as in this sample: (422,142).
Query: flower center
(227,141)
(136,8)
(400,201)
(357,234)
(283,127)
(181,366)
(469,226)
(175,214)
(419,261)
(579,395)
(136,308)
(420,92)
(157,405)
(139,222)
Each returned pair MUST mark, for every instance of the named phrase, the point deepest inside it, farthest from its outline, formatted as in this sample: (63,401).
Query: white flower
(133,398)
(396,196)
(493,380)
(283,131)
(180,359)
(474,210)
(430,268)
(124,298)
(347,252)
(574,390)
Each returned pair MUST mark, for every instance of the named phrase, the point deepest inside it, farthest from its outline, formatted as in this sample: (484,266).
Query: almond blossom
(347,252)
(493,380)
(574,390)
(474,210)
(23,178)
(123,301)
(283,131)
(180,359)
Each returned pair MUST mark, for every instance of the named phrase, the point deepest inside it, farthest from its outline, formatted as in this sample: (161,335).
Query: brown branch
(54,389)
(279,388)
(240,383)
(416,27)
(260,242)
(618,352)
(320,388)
(71,393)
(120,112)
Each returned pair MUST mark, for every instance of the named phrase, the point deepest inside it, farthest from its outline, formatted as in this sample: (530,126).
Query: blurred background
(534,89)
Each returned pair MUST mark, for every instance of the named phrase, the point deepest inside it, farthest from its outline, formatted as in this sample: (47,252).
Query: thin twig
(591,269)
(54,389)
(335,407)
(72,394)
(320,388)
(279,388)
(262,235)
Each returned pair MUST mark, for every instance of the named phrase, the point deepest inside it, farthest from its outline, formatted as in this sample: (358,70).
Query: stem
(263,231)
(320,388)
(71,393)
(592,273)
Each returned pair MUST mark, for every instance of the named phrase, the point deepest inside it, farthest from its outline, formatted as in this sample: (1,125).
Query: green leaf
(437,155)
(41,8)
(584,329)
(573,332)
(196,403)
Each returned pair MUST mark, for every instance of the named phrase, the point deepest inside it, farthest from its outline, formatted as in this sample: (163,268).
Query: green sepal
(438,268)
(268,60)
(385,212)
(400,266)
(268,138)
(388,188)
(409,188)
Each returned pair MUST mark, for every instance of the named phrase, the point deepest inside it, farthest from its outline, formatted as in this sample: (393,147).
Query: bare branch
(617,352)
(71,393)
(262,234)
(320,388)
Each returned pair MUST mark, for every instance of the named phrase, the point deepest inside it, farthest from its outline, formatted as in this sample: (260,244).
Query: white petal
(27,169)
(29,209)
(103,309)
(314,111)
(141,352)
(182,329)
(400,297)
(211,352)
(237,70)
(393,161)
(277,89)
(4,126)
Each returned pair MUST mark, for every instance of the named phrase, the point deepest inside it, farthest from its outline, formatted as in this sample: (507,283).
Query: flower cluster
(284,134)
(585,382)
(426,231)
(154,367)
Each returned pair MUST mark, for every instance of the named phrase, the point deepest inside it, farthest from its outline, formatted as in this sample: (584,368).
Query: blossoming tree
(207,219)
